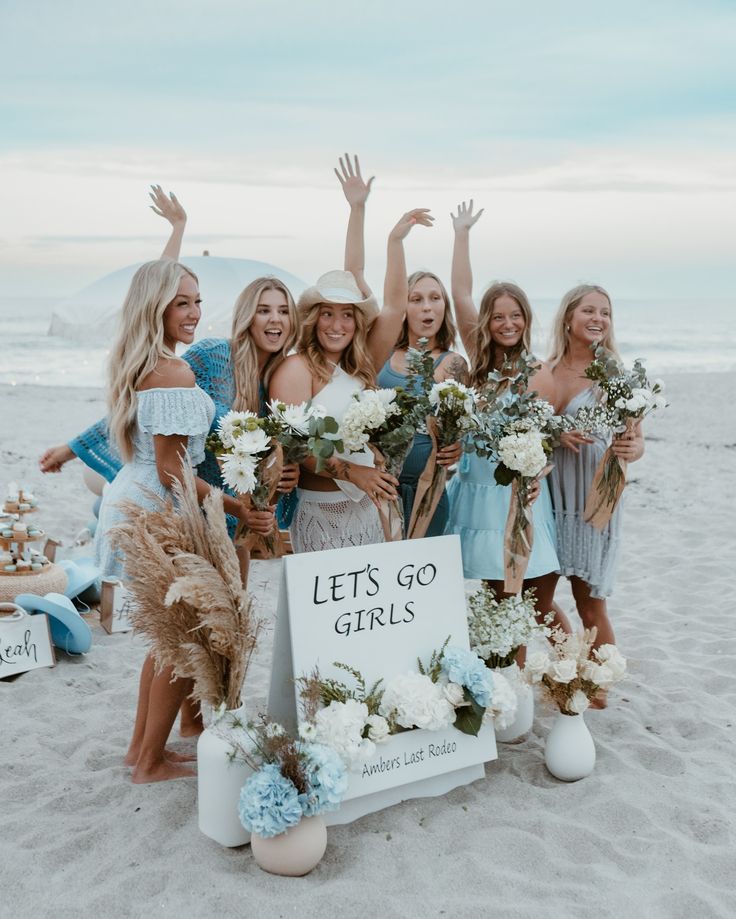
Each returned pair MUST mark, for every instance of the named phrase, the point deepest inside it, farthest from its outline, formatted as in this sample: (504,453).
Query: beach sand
(651,833)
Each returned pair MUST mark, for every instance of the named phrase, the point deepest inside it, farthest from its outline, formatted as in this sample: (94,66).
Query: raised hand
(356,191)
(465,218)
(167,206)
(420,215)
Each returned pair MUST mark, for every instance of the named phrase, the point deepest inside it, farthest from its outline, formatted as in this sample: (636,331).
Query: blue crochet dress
(176,410)
(478,511)
(210,359)
(417,458)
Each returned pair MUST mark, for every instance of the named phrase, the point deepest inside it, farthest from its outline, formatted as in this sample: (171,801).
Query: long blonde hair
(356,359)
(139,344)
(568,304)
(485,352)
(447,333)
(243,356)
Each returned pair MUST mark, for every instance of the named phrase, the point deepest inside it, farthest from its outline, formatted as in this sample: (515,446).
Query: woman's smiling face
(271,323)
(335,328)
(507,322)
(591,319)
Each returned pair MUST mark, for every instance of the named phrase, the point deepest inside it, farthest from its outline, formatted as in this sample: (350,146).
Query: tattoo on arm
(457,369)
(338,469)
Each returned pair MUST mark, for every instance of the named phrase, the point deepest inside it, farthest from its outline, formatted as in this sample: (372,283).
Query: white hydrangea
(366,413)
(504,701)
(378,729)
(239,472)
(413,700)
(341,726)
(523,453)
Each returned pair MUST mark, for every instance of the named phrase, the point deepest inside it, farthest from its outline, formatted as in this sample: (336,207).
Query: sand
(651,833)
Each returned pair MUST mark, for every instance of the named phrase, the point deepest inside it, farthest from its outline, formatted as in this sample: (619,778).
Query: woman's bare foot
(162,771)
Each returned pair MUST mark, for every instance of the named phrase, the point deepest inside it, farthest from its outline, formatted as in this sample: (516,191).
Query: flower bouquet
(519,431)
(449,416)
(292,782)
(453,689)
(252,451)
(378,419)
(571,678)
(575,674)
(626,396)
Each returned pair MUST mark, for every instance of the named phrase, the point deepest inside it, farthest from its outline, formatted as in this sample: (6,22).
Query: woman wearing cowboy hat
(343,341)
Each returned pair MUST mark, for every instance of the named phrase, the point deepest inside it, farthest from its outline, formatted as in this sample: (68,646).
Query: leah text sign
(377,608)
(25,641)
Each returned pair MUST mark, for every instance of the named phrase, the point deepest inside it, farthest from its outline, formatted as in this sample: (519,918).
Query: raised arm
(168,207)
(356,193)
(462,275)
(387,327)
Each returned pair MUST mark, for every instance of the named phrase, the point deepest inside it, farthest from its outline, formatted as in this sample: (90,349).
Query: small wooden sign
(115,605)
(25,641)
(378,608)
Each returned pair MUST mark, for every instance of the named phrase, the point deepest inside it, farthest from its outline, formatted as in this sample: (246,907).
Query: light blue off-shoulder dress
(184,411)
(478,511)
(583,550)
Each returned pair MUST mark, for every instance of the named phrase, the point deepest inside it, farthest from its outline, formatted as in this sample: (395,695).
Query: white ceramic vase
(220,778)
(522,723)
(569,752)
(294,852)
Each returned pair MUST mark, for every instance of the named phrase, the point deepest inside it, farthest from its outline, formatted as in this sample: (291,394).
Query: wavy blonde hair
(356,359)
(486,351)
(139,344)
(560,335)
(243,354)
(447,333)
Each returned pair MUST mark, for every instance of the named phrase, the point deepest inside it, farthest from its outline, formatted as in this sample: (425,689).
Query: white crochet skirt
(329,520)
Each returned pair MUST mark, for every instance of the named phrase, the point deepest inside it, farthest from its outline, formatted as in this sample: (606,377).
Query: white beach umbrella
(91,314)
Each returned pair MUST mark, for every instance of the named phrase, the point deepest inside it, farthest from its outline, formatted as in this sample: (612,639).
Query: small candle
(36,566)
(22,563)
(9,568)
(20,528)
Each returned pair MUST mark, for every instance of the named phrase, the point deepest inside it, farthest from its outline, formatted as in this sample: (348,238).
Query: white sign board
(378,608)
(25,641)
(115,605)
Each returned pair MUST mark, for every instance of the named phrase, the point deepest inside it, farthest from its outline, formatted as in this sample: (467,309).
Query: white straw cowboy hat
(338,287)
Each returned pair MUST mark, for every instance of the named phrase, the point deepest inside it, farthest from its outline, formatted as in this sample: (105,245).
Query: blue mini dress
(478,511)
(416,459)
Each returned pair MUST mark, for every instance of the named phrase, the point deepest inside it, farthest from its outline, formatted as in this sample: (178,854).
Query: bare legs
(159,700)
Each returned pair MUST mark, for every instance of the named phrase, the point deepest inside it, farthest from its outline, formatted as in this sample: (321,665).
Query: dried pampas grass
(189,600)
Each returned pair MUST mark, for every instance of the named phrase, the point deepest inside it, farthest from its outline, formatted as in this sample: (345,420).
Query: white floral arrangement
(365,414)
(575,673)
(498,628)
(523,453)
(454,689)
(244,444)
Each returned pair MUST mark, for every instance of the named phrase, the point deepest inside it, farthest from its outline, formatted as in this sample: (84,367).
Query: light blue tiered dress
(178,410)
(478,511)
(584,551)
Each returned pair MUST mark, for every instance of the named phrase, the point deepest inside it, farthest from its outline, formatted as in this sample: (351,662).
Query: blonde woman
(500,330)
(587,555)
(343,341)
(156,412)
(234,372)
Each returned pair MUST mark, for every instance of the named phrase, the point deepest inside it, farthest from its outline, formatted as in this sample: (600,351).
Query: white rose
(536,666)
(563,671)
(378,730)
(578,702)
(612,657)
(454,693)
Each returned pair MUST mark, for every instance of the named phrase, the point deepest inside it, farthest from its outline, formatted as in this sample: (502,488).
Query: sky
(600,138)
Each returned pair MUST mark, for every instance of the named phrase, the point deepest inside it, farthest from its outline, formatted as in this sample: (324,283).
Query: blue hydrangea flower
(269,802)
(327,777)
(467,669)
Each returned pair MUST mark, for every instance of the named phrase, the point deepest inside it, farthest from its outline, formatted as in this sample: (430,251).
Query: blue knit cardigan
(210,359)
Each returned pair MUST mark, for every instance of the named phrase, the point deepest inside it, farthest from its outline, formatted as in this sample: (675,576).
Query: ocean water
(674,336)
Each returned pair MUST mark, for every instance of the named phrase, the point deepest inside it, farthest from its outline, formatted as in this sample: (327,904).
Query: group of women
(330,344)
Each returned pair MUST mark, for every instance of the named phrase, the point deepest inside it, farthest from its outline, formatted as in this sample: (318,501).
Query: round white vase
(524,718)
(220,778)
(294,852)
(569,752)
